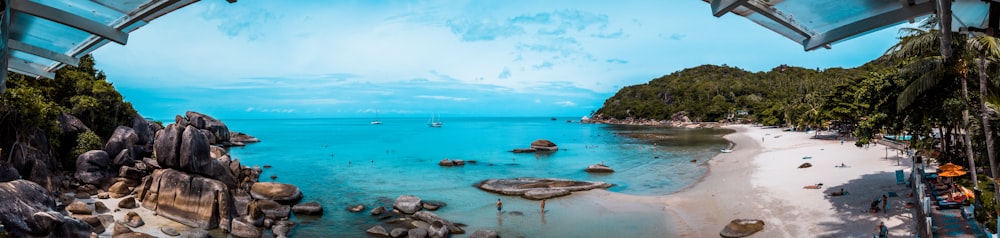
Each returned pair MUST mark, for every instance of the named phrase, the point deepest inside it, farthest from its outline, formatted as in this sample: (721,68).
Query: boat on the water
(376,121)
(435,123)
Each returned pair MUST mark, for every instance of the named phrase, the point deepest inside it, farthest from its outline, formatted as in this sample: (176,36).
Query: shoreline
(760,180)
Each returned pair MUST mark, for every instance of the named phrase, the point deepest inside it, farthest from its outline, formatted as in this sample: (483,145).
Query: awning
(815,24)
(41,36)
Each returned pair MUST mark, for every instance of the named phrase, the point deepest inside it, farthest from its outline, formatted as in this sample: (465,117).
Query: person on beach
(883,232)
(885,204)
(499,205)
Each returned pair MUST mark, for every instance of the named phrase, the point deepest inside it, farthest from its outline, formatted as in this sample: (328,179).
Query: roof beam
(20,66)
(42,52)
(719,8)
(766,11)
(868,24)
(69,19)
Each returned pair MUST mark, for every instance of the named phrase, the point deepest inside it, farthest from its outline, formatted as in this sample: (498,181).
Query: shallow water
(343,162)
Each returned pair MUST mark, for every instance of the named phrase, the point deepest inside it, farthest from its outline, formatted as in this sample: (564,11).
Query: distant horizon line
(575,118)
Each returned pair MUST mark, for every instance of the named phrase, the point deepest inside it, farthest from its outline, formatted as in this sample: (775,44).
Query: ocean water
(347,161)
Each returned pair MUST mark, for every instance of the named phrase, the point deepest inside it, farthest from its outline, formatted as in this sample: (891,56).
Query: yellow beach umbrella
(968,192)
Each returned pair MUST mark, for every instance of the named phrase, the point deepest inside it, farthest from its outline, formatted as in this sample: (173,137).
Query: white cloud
(566,103)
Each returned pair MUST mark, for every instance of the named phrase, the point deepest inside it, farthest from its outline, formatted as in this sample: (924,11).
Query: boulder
(417,233)
(217,151)
(189,199)
(78,208)
(120,228)
(132,219)
(432,218)
(99,207)
(167,146)
(484,234)
(169,231)
(124,158)
(544,145)
(377,211)
(242,200)
(446,163)
(805,165)
(70,125)
(378,231)
(127,203)
(243,228)
(458,162)
(524,150)
(310,208)
(599,168)
(437,230)
(398,232)
(103,195)
(407,204)
(742,228)
(28,210)
(432,205)
(92,167)
(279,192)
(242,138)
(132,172)
(7,172)
(143,130)
(119,189)
(274,210)
(218,129)
(94,222)
(122,138)
(356,208)
(538,188)
(281,228)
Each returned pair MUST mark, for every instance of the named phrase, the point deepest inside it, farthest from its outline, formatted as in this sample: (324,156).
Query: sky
(356,59)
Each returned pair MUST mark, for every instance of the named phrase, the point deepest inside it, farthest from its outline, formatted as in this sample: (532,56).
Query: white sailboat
(376,121)
(434,123)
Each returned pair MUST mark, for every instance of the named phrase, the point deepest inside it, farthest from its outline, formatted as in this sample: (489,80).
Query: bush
(86,141)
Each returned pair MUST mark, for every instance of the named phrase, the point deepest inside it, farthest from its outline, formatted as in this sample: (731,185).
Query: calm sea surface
(347,161)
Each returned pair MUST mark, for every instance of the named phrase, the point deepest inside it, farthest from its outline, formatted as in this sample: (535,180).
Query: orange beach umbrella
(949,166)
(968,192)
(951,173)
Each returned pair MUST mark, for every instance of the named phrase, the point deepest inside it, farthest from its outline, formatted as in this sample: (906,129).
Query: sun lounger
(948,205)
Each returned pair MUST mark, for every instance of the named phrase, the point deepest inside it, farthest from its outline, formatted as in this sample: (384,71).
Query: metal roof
(819,23)
(41,36)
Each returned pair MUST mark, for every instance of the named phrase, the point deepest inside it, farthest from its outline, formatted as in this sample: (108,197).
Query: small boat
(726,151)
(433,123)
(553,118)
(376,121)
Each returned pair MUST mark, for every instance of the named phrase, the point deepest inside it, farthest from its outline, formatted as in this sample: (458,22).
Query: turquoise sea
(346,161)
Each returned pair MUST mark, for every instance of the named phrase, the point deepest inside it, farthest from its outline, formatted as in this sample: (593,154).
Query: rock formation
(742,228)
(189,199)
(541,145)
(29,210)
(599,168)
(279,192)
(538,188)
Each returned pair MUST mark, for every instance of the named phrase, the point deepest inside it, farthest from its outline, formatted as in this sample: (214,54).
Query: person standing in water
(543,205)
(499,205)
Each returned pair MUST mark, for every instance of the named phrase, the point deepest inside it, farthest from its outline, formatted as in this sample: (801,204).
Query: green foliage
(783,96)
(81,91)
(86,141)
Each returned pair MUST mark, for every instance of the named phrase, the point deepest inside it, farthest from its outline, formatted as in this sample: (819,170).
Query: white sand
(761,180)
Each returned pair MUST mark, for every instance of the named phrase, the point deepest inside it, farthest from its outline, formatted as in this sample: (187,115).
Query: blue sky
(274,59)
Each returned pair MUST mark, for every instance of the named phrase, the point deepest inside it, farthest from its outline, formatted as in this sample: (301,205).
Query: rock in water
(538,188)
(310,208)
(432,218)
(437,230)
(242,228)
(544,145)
(378,230)
(599,168)
(484,234)
(357,208)
(742,228)
(279,192)
(417,232)
(407,204)
(398,232)
(377,211)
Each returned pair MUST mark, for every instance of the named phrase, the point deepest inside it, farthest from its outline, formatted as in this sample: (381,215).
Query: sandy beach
(761,180)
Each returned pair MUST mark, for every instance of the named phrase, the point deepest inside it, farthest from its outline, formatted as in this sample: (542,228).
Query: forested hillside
(784,95)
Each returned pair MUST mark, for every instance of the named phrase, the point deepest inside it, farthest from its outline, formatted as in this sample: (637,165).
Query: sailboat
(434,123)
(376,121)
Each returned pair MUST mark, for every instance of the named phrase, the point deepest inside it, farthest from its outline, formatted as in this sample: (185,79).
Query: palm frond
(985,44)
(922,84)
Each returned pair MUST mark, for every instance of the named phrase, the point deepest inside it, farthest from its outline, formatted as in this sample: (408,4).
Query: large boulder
(123,138)
(28,210)
(78,208)
(437,230)
(92,167)
(742,228)
(544,145)
(378,231)
(143,130)
(195,152)
(189,199)
(218,129)
(124,158)
(417,233)
(273,210)
(167,146)
(243,228)
(407,204)
(279,192)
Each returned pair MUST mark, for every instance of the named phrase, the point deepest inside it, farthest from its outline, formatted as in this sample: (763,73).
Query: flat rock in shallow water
(538,188)
(742,228)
